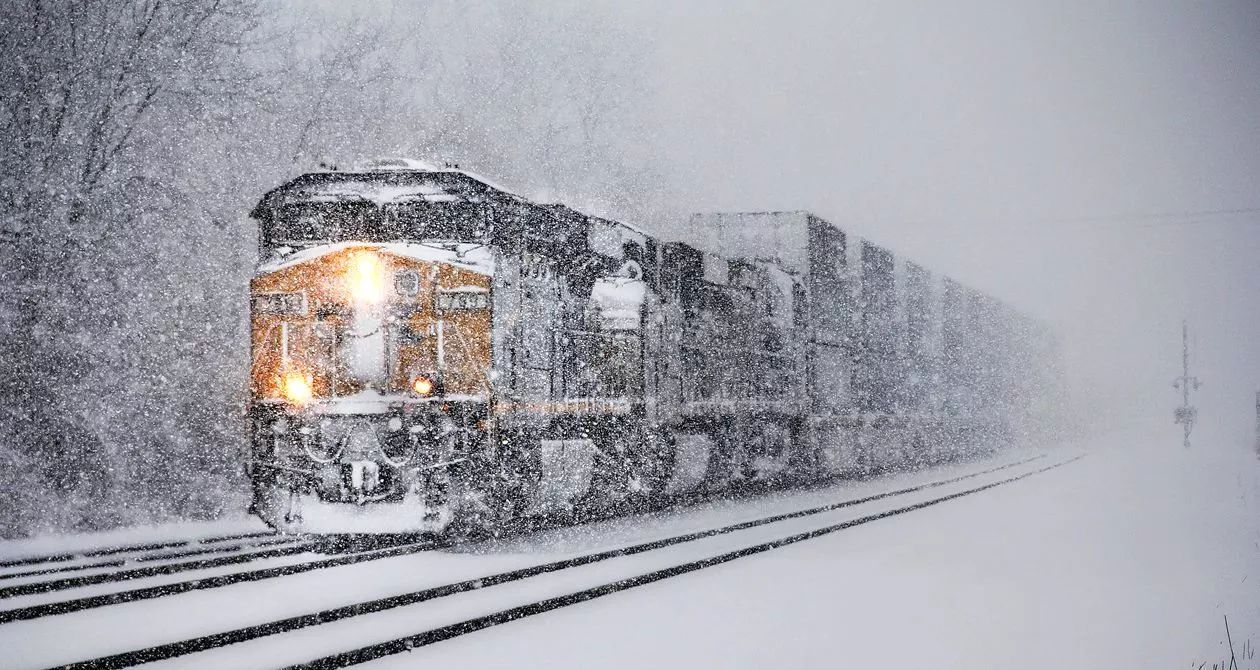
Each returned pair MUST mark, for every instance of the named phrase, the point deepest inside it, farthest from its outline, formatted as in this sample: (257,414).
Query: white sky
(1021,147)
(1030,149)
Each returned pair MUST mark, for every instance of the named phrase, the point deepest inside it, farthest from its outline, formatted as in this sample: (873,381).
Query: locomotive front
(371,350)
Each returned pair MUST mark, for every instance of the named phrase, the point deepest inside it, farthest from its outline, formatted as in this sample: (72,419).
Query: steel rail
(160,590)
(150,571)
(109,551)
(189,646)
(432,636)
(150,557)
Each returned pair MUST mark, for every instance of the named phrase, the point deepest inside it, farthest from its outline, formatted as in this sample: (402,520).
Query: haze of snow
(1108,185)
(1129,558)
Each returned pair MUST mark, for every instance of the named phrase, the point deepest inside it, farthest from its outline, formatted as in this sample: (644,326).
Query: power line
(1205,217)
(1143,216)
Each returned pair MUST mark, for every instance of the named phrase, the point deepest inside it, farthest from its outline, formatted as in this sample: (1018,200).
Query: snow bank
(1129,558)
(167,532)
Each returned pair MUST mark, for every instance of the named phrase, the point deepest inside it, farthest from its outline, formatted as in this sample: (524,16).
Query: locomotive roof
(781,233)
(563,231)
(382,187)
(413,181)
(474,257)
(561,209)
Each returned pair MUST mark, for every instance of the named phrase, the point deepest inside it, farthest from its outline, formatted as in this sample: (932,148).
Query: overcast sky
(1043,152)
(1080,160)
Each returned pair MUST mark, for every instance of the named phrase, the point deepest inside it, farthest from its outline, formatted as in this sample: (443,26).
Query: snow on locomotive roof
(636,233)
(395,180)
(778,238)
(379,188)
(395,164)
(377,192)
(387,182)
(781,238)
(475,257)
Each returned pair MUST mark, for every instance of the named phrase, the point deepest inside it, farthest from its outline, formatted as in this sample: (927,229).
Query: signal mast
(1186,414)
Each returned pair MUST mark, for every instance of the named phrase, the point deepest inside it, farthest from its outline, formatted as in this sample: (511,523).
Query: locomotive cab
(371,352)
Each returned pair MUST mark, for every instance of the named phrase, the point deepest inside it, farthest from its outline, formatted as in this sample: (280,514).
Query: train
(432,353)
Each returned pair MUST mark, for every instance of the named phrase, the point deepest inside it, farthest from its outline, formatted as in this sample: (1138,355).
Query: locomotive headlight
(366,278)
(422,385)
(296,388)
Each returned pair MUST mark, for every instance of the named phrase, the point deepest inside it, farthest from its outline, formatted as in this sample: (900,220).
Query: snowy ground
(57,544)
(1129,557)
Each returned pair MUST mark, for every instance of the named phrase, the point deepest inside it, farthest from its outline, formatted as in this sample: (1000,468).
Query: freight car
(431,349)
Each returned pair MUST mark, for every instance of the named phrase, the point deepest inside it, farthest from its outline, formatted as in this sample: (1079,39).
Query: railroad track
(124,549)
(743,546)
(434,635)
(127,571)
(221,547)
(149,592)
(197,584)
(65,583)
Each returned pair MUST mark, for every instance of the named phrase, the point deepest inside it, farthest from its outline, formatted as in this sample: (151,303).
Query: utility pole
(1257,423)
(1186,414)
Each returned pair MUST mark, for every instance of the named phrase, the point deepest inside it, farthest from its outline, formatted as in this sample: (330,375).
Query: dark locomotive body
(604,367)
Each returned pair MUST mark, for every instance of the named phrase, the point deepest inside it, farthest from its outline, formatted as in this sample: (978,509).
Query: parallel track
(435,635)
(158,591)
(184,647)
(223,548)
(109,551)
(216,581)
(150,571)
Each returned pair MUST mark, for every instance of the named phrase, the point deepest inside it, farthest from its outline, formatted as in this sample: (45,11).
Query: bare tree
(139,132)
(550,97)
(82,80)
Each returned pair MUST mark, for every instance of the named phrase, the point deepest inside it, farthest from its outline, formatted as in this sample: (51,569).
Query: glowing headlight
(296,388)
(366,278)
(422,386)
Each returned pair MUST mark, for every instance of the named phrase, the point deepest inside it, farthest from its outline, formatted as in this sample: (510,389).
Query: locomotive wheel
(649,465)
(616,476)
(279,506)
(510,484)
(473,507)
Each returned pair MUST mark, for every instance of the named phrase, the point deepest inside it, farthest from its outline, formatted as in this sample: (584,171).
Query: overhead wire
(1242,216)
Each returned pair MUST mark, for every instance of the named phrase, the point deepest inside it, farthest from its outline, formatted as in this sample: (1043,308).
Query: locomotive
(431,351)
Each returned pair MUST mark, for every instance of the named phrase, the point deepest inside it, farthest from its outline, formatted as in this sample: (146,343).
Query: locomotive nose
(365,476)
(361,443)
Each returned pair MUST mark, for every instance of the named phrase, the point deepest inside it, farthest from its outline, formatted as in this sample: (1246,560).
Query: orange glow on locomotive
(428,348)
(313,315)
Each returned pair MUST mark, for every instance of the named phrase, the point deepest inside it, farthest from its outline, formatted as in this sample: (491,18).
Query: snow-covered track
(434,635)
(224,547)
(349,558)
(208,642)
(158,591)
(150,571)
(123,549)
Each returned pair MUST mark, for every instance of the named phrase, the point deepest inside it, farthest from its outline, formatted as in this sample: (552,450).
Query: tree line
(138,133)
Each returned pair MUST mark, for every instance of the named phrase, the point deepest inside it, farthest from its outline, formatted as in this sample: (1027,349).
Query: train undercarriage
(433,468)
